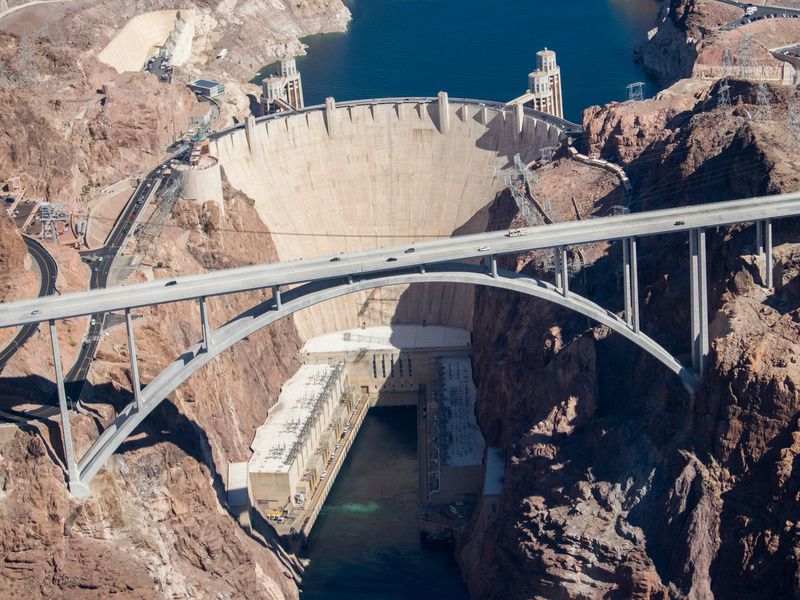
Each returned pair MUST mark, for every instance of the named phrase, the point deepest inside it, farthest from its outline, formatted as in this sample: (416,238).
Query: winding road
(101,261)
(48,272)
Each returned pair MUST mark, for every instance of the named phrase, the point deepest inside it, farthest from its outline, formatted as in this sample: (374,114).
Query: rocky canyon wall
(618,483)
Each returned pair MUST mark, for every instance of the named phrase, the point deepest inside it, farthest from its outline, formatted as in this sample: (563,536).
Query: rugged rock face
(68,119)
(619,484)
(692,37)
(155,526)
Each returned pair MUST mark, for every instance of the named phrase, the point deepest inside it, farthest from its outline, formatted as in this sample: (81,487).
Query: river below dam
(365,544)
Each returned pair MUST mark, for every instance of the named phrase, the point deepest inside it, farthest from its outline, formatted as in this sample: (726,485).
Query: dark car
(391,259)
(679,223)
(410,250)
(173,282)
(335,259)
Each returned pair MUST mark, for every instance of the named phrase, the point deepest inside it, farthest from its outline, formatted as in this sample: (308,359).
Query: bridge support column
(630,272)
(444,112)
(75,486)
(493,266)
(137,387)
(562,271)
(759,238)
(204,324)
(768,254)
(276,294)
(699,298)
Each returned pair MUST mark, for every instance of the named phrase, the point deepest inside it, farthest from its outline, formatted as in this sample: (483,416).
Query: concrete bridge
(299,284)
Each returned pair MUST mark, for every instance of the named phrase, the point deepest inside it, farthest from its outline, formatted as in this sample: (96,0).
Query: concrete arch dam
(374,173)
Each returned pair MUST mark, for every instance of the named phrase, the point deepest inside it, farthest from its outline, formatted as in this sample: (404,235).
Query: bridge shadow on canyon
(167,431)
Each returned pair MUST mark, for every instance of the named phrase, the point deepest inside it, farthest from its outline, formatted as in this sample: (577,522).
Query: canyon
(617,484)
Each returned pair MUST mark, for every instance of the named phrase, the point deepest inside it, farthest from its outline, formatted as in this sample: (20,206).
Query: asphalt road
(47,286)
(410,256)
(101,261)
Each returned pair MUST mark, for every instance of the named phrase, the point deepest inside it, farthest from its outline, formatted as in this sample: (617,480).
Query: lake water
(479,49)
(365,544)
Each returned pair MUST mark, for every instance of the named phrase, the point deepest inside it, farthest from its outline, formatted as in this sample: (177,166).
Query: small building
(493,482)
(206,88)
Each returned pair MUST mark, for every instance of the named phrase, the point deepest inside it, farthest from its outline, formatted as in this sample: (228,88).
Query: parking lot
(160,66)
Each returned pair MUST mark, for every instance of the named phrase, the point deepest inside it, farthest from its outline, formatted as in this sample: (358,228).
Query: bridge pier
(204,324)
(768,251)
(137,387)
(276,294)
(73,476)
(699,298)
(764,246)
(630,272)
(562,271)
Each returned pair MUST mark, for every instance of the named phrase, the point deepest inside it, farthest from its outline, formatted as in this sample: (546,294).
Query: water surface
(365,544)
(479,49)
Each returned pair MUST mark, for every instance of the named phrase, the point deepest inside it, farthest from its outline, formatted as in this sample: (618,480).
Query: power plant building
(283,91)
(291,449)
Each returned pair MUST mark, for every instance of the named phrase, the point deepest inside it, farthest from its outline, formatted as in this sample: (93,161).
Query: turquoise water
(479,49)
(365,544)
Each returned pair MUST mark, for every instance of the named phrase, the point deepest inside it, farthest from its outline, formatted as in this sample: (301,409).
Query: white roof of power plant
(392,337)
(495,471)
(284,426)
(460,439)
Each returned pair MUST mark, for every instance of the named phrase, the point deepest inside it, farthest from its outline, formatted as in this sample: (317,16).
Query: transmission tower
(521,183)
(724,91)
(793,115)
(636,91)
(151,231)
(763,110)
(745,56)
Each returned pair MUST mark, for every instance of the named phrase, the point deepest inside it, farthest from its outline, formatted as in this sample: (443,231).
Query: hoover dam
(382,172)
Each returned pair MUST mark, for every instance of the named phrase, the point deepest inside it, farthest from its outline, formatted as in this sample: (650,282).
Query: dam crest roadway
(470,259)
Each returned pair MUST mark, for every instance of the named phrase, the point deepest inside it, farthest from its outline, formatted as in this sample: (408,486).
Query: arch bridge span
(301,284)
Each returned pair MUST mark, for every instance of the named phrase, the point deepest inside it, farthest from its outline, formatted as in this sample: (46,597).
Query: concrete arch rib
(307,295)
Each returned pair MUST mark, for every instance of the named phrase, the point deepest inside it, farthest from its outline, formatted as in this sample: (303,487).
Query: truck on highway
(750,11)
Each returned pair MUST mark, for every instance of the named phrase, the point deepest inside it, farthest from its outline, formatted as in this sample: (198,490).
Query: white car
(484,249)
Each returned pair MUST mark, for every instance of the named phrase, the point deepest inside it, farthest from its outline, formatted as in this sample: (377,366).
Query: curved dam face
(380,173)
